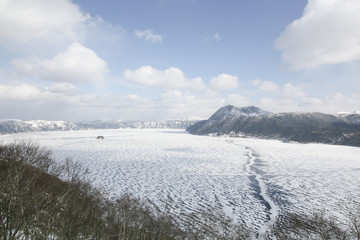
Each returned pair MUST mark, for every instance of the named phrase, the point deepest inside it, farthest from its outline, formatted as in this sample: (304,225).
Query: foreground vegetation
(40,199)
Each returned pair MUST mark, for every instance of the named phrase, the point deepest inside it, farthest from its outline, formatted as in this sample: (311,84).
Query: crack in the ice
(259,185)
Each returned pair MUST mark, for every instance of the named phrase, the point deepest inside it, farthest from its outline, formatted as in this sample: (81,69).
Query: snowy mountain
(14,126)
(42,125)
(231,111)
(171,124)
(100,124)
(300,127)
(353,117)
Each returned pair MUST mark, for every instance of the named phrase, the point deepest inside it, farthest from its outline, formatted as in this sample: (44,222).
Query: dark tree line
(318,226)
(41,199)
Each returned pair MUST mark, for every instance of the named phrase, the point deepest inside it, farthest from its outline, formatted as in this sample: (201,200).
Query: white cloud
(223,82)
(63,87)
(209,38)
(149,36)
(76,64)
(172,94)
(56,102)
(280,105)
(217,37)
(292,91)
(185,105)
(264,85)
(237,100)
(62,101)
(329,104)
(29,93)
(23,92)
(312,101)
(29,66)
(339,102)
(327,33)
(52,21)
(170,78)
(44,27)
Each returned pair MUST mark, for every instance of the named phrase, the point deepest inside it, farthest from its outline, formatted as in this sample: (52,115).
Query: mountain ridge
(340,128)
(302,127)
(230,110)
(9,126)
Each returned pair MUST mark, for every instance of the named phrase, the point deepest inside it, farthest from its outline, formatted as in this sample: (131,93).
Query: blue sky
(176,59)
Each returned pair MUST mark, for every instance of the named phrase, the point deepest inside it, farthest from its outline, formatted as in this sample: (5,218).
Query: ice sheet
(250,180)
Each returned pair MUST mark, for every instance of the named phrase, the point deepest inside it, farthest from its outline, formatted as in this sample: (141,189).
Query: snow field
(250,180)
(306,178)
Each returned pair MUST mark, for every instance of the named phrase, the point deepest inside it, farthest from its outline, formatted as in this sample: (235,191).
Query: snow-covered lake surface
(250,180)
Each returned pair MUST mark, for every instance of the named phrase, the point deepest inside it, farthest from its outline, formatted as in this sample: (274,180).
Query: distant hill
(231,111)
(171,124)
(15,126)
(341,129)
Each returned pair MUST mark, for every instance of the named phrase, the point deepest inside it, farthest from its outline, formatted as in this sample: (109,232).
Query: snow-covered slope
(301,127)
(231,111)
(253,181)
(353,117)
(42,125)
(15,126)
(170,124)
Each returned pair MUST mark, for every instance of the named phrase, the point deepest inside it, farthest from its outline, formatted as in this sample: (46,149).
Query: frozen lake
(250,180)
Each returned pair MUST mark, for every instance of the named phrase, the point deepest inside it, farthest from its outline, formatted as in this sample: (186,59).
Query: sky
(77,60)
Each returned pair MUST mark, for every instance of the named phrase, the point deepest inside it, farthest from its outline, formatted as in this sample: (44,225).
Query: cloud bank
(77,64)
(224,82)
(57,74)
(37,20)
(171,78)
(291,91)
(264,85)
(327,33)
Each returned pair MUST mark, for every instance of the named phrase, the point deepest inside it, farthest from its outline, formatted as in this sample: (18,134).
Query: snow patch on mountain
(15,126)
(348,113)
(43,125)
(353,117)
(289,126)
(230,110)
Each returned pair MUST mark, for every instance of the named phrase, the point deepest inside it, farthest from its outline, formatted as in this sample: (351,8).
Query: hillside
(37,204)
(343,129)
(15,126)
